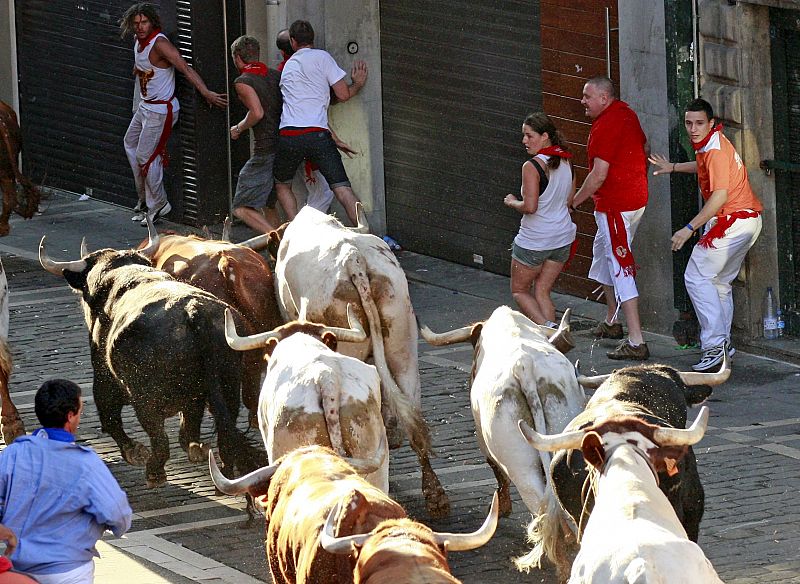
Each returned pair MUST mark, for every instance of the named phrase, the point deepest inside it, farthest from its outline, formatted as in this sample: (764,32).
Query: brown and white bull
(233,273)
(313,395)
(11,425)
(633,533)
(655,394)
(517,372)
(321,267)
(10,174)
(298,494)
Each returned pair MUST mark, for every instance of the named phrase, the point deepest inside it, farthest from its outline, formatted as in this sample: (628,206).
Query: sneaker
(164,210)
(140,206)
(712,358)
(139,215)
(627,351)
(607,331)
(730,349)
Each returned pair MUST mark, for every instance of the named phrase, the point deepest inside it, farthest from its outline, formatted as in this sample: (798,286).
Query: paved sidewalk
(184,532)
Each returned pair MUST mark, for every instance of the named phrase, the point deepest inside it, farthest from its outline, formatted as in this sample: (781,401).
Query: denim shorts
(255,182)
(534,259)
(317,147)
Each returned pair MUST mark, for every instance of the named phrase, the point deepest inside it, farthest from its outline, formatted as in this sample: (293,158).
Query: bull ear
(593,451)
(330,340)
(75,279)
(476,333)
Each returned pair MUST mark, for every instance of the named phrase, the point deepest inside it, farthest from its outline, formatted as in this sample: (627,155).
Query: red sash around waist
(161,147)
(301,131)
(721,226)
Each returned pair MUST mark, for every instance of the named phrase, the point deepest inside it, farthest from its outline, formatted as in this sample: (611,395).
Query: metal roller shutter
(459,76)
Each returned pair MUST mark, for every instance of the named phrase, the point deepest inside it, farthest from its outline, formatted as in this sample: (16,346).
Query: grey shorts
(255,182)
(534,259)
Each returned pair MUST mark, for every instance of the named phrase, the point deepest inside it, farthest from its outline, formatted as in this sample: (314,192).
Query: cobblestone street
(183,532)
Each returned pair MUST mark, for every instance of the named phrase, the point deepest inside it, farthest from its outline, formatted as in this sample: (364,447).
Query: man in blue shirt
(58,496)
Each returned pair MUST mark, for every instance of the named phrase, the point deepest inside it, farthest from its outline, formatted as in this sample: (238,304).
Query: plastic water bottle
(393,245)
(770,315)
(781,323)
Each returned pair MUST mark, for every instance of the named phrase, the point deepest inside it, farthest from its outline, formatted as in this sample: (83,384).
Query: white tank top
(155,83)
(550,227)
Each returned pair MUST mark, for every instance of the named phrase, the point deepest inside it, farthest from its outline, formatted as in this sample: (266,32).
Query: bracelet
(673,166)
(689,227)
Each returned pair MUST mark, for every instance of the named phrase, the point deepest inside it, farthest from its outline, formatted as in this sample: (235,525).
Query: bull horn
(153,239)
(249,343)
(459,335)
(226,229)
(339,545)
(58,268)
(462,542)
(84,248)
(355,334)
(589,382)
(363,225)
(256,243)
(365,466)
(551,442)
(561,338)
(695,378)
(255,483)
(681,437)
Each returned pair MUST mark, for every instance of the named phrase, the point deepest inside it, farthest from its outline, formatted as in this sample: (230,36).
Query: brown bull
(10,175)
(299,493)
(234,274)
(10,423)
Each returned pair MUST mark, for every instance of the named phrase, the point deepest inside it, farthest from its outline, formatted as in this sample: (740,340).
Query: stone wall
(735,77)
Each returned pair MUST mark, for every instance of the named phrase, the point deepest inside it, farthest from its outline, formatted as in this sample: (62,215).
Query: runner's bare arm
(714,203)
(167,51)
(594,180)
(664,166)
(249,97)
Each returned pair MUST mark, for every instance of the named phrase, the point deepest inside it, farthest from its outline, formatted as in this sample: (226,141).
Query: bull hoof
(137,455)
(156,480)
(197,452)
(12,430)
(437,503)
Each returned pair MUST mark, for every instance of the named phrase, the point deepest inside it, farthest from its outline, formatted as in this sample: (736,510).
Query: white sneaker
(139,215)
(164,210)
(712,358)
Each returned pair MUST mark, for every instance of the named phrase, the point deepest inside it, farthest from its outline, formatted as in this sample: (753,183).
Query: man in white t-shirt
(307,80)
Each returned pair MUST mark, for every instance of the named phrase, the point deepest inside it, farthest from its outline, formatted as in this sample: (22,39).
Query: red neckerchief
(282,64)
(699,145)
(721,226)
(5,564)
(555,151)
(256,68)
(619,243)
(143,44)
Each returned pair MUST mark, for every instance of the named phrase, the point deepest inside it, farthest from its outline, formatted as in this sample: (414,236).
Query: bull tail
(409,417)
(330,401)
(523,371)
(546,533)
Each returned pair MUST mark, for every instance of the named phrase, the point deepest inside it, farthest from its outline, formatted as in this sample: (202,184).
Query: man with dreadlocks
(155,107)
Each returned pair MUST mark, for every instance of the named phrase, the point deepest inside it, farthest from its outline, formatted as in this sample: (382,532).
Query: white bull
(633,534)
(313,395)
(517,373)
(321,267)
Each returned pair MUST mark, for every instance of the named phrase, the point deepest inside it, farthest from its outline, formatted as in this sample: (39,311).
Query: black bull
(656,394)
(158,345)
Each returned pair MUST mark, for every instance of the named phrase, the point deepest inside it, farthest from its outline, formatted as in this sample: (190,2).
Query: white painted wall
(9,92)
(643,74)
(359,121)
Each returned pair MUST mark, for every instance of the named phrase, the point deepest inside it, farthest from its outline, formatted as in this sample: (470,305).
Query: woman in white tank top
(546,232)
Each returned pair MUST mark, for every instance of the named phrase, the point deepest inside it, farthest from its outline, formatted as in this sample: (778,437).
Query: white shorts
(81,575)
(605,267)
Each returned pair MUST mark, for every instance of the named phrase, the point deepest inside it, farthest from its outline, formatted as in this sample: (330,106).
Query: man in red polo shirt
(732,216)
(617,181)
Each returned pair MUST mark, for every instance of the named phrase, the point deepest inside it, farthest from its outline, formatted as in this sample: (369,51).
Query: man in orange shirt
(732,216)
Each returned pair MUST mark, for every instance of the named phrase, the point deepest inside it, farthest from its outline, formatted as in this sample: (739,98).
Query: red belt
(721,226)
(161,147)
(301,131)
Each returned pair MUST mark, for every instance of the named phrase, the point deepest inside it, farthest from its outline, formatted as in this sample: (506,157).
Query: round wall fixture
(352,47)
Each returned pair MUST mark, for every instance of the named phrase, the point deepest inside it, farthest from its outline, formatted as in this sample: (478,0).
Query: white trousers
(141,140)
(81,575)
(709,275)
(320,195)
(605,268)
